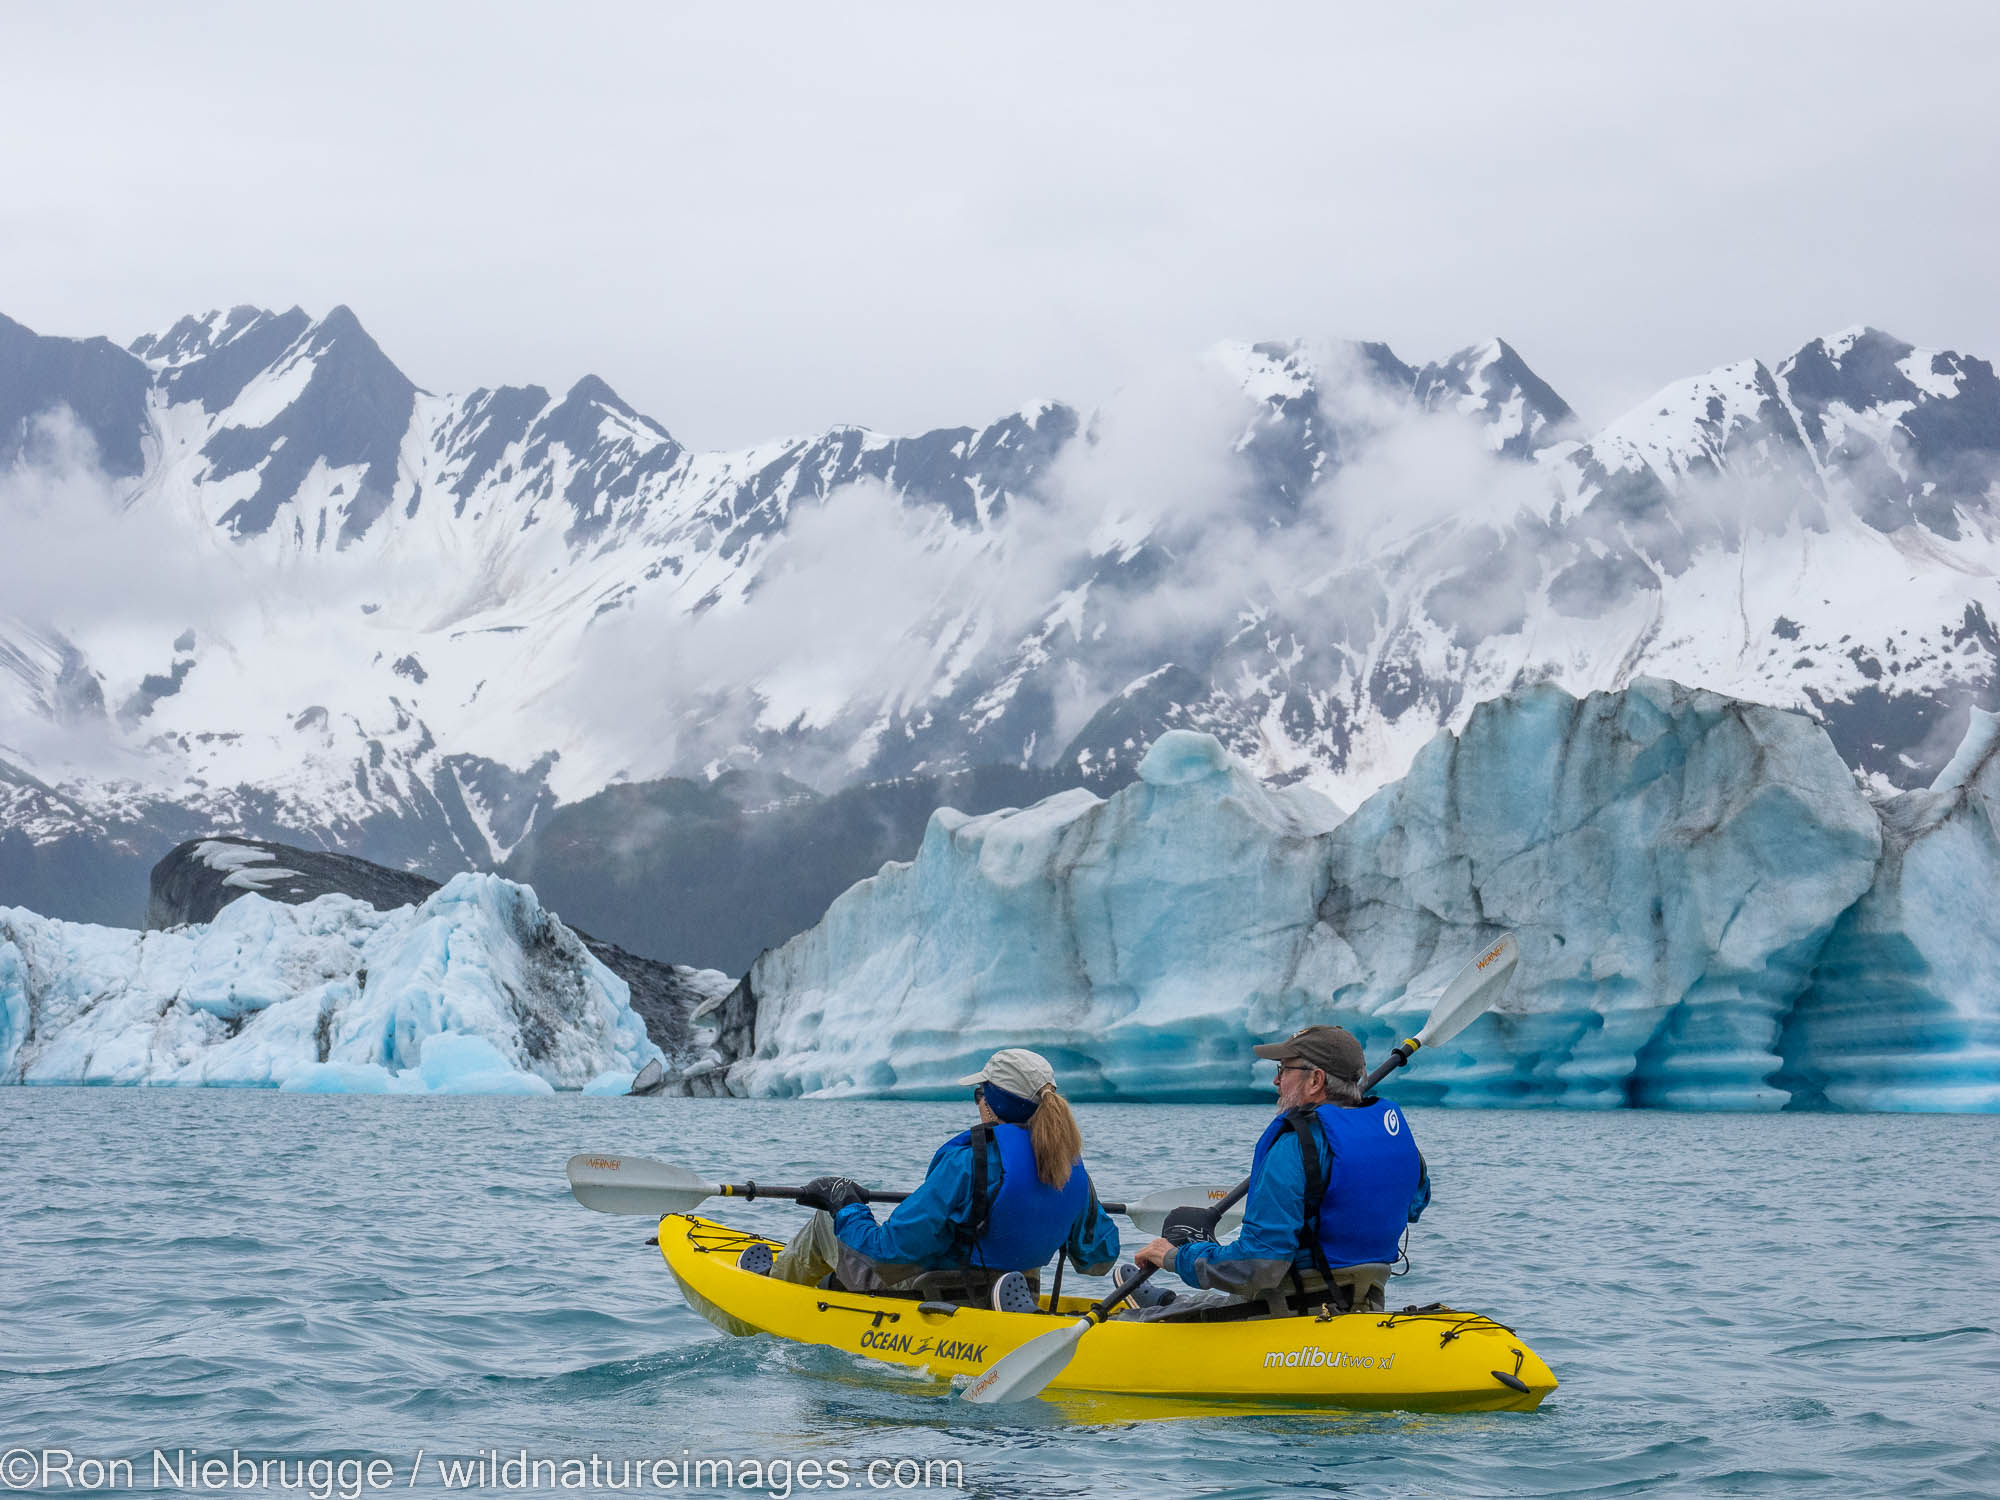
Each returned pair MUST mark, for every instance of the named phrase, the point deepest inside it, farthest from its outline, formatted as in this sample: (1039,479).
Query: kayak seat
(960,1288)
(1365,1287)
(965,1288)
(1354,1289)
(1359,1288)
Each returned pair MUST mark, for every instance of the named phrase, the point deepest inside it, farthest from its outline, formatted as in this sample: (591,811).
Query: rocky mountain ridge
(409,626)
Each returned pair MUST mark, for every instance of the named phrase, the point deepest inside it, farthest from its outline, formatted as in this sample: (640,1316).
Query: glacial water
(1735,1304)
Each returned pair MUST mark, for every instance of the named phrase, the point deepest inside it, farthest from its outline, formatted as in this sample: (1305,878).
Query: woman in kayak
(999,1200)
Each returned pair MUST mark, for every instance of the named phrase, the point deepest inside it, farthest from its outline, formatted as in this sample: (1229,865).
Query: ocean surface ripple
(1735,1304)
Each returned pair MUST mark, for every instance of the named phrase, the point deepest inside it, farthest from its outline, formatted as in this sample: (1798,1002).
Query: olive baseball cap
(1331,1048)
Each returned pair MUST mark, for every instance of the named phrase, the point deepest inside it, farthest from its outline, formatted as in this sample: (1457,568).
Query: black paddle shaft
(1235,1197)
(749,1191)
(1102,1308)
(1398,1055)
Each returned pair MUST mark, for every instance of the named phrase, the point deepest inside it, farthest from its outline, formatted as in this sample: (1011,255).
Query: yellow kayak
(1434,1360)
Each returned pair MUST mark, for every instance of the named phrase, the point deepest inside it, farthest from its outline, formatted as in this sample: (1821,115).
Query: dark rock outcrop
(734,1018)
(715,871)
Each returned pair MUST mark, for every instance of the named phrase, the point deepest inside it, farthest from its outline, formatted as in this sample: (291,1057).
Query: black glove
(1185,1225)
(831,1193)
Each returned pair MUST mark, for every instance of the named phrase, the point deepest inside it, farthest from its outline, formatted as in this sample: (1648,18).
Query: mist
(866,610)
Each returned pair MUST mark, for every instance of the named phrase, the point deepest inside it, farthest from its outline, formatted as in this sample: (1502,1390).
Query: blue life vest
(1369,1181)
(1020,1222)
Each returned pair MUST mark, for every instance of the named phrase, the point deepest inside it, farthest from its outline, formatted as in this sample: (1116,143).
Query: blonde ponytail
(1057,1140)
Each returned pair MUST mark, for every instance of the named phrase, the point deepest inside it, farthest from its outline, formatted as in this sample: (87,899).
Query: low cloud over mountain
(259,580)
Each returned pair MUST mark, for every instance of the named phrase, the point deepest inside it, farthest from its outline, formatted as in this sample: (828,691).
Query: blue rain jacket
(919,1233)
(1263,1254)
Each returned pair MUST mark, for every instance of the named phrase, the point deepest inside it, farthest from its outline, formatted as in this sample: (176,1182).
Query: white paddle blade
(1473,992)
(1025,1374)
(635,1185)
(1150,1212)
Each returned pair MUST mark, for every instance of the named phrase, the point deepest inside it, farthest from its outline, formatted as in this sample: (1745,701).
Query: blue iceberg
(1672,862)
(1711,915)
(477,990)
(1126,938)
(1902,1012)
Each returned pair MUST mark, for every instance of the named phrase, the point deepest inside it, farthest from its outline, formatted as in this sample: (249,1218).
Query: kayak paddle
(1150,1212)
(639,1185)
(1029,1368)
(1465,1000)
(1026,1372)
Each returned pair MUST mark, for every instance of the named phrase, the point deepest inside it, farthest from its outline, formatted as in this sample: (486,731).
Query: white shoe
(1012,1294)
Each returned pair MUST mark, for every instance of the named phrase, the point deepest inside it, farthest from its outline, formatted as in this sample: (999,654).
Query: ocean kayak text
(909,1343)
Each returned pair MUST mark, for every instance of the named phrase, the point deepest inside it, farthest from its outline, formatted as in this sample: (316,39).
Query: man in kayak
(1334,1181)
(1000,1198)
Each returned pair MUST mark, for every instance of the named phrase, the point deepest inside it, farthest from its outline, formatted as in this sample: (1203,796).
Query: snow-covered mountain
(256,579)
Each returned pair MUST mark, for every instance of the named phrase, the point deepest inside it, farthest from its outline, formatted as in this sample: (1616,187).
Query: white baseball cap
(1017,1070)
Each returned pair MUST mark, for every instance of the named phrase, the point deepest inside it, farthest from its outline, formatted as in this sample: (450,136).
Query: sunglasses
(1297,1067)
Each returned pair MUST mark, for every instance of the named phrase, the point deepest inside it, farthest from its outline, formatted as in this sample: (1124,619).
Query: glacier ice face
(1121,937)
(198,878)
(454,1063)
(477,990)
(1708,911)
(1671,861)
(1902,1012)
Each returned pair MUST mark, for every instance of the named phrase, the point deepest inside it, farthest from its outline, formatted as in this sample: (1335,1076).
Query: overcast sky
(758,220)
